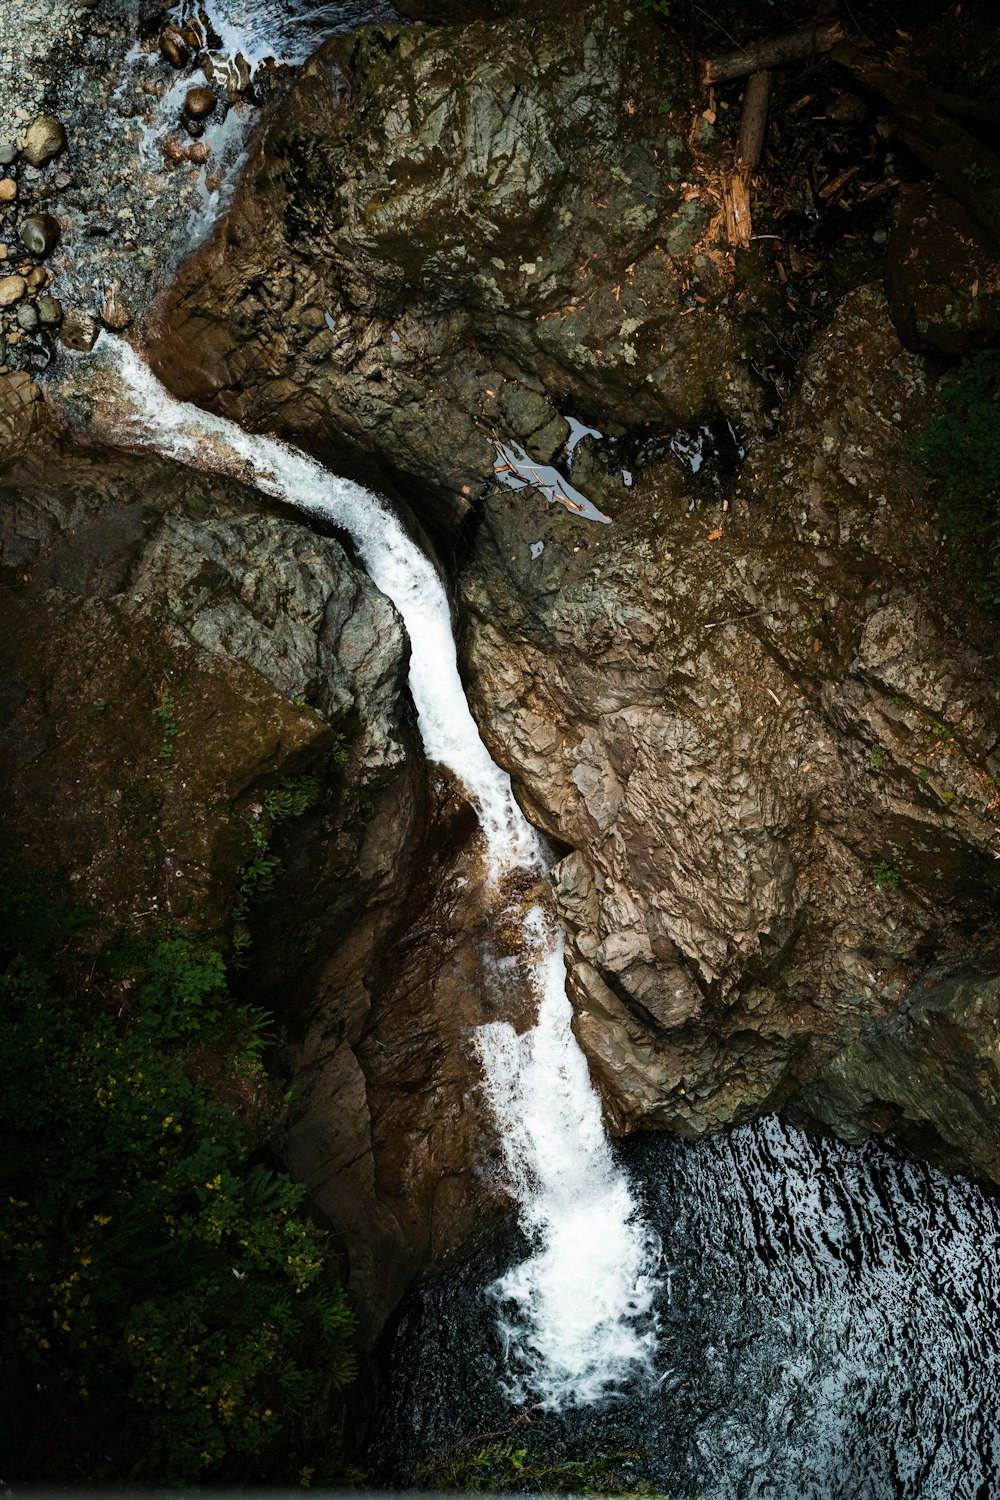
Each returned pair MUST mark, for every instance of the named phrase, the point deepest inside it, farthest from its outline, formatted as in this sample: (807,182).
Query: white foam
(577,1312)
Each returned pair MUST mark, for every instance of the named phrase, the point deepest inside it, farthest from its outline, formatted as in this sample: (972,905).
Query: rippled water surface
(830,1333)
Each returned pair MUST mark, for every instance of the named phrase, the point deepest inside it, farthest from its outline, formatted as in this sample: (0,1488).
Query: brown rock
(199,152)
(79,330)
(174,47)
(172,149)
(44,139)
(50,310)
(8,189)
(12,289)
(114,312)
(200,102)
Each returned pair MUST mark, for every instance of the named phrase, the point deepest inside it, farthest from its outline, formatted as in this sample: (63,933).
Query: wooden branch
(794,46)
(968,169)
(753,121)
(736,184)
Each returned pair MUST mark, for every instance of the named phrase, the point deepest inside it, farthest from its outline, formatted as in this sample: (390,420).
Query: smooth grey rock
(39,234)
(8,153)
(27,317)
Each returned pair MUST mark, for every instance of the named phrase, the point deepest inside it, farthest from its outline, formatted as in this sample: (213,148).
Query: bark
(753,121)
(794,46)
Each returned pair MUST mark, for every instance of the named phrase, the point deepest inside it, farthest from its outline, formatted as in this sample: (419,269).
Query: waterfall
(577,1314)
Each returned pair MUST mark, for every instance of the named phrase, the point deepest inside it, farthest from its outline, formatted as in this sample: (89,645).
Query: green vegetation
(886,877)
(880,757)
(497,1463)
(961,450)
(289,799)
(169,1316)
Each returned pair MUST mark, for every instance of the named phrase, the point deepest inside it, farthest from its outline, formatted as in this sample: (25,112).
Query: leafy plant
(293,797)
(885,876)
(880,757)
(160,1284)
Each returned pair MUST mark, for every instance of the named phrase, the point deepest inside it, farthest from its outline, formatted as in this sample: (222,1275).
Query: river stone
(8,189)
(8,153)
(200,102)
(50,310)
(174,47)
(79,330)
(12,289)
(44,139)
(27,317)
(40,233)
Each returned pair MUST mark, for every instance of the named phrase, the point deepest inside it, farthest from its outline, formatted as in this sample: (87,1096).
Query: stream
(761,1316)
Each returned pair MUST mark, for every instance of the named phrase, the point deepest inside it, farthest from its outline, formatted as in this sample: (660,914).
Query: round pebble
(199,103)
(12,289)
(8,189)
(27,317)
(8,153)
(39,233)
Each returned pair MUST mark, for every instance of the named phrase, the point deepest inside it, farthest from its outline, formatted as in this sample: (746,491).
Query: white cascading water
(577,1314)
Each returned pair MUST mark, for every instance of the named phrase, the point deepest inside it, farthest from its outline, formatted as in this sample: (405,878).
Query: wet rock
(928,1075)
(944,276)
(50,310)
(12,289)
(200,102)
(199,152)
(8,153)
(115,313)
(39,233)
(79,330)
(27,317)
(729,719)
(20,414)
(8,189)
(174,48)
(473,206)
(43,140)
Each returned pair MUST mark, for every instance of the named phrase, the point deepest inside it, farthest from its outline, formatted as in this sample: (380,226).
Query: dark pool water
(829,1329)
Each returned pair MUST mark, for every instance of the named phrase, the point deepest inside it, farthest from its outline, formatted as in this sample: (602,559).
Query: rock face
(761,735)
(175,649)
(928,1074)
(764,735)
(446,234)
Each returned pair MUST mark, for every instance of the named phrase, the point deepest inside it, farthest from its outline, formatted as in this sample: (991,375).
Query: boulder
(762,738)
(928,1075)
(444,235)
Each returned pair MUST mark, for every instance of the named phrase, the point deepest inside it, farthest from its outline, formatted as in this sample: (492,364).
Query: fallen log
(736,185)
(794,46)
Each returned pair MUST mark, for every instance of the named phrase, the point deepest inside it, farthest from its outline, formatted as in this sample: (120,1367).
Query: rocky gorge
(756,716)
